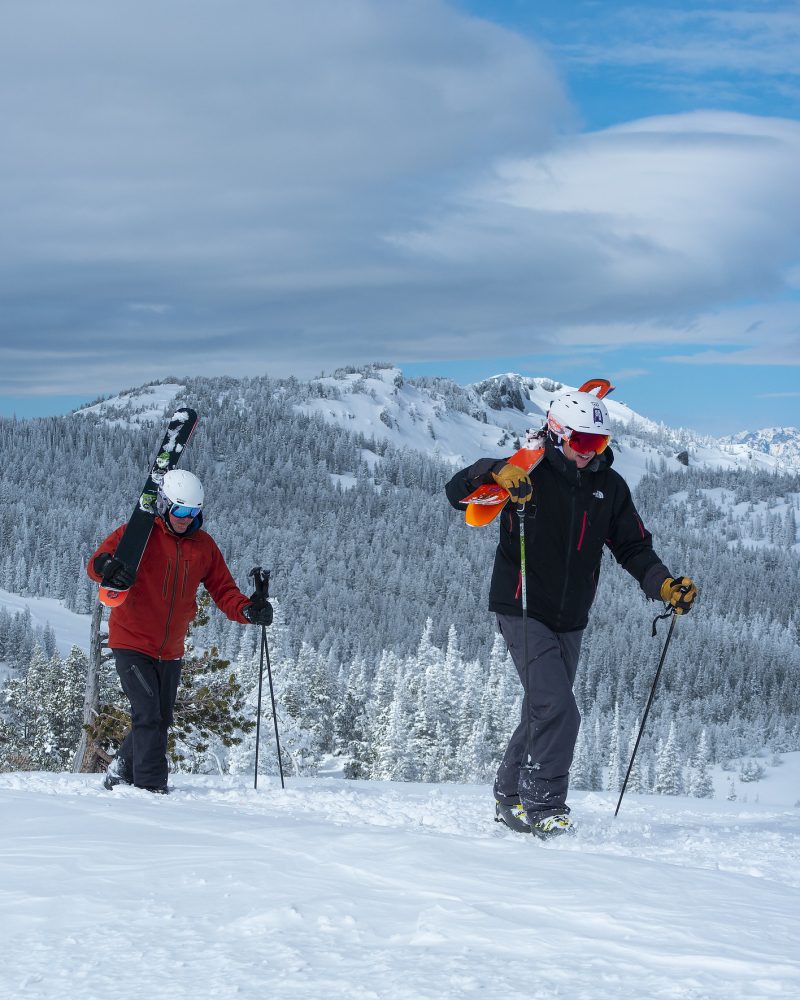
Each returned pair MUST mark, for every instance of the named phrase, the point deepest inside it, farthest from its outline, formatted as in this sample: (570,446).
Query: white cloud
(238,167)
(306,184)
(634,234)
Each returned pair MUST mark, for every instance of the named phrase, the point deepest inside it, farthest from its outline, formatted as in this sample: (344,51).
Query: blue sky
(572,190)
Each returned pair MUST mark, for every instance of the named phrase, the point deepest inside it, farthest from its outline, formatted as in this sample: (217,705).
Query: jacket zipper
(185,577)
(166,578)
(172,597)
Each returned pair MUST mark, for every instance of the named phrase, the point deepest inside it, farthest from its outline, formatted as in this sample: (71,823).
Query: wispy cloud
(638,234)
(690,39)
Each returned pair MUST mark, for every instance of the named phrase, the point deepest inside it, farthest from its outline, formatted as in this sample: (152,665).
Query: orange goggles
(585,443)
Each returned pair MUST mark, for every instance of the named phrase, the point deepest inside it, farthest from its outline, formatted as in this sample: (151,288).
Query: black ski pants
(535,766)
(152,687)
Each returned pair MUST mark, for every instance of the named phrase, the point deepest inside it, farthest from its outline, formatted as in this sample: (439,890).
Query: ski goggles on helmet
(182,510)
(584,443)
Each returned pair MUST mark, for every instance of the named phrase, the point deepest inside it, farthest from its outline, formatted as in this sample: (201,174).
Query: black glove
(680,592)
(114,572)
(258,611)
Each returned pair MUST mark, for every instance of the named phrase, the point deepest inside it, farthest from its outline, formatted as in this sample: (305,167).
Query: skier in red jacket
(147,632)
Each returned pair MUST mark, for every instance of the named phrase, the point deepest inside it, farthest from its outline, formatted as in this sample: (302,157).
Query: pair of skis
(485,503)
(137,532)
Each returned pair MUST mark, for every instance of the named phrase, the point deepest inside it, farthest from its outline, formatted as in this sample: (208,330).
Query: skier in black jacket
(574,503)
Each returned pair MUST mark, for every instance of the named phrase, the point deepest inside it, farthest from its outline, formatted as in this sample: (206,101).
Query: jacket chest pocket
(184,577)
(167,574)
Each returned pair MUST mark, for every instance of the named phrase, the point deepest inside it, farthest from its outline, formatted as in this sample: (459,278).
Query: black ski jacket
(573,513)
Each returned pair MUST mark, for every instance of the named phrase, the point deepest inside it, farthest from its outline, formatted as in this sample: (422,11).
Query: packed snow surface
(381,891)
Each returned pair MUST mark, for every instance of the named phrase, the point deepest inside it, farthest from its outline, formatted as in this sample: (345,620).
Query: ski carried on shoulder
(485,503)
(137,532)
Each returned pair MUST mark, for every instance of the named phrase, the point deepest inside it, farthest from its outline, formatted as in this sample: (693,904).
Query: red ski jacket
(156,614)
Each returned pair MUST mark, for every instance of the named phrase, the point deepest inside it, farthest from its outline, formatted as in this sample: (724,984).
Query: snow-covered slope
(136,406)
(462,423)
(379,891)
(71,629)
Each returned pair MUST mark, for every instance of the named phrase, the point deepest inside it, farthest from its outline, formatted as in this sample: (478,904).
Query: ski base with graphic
(137,532)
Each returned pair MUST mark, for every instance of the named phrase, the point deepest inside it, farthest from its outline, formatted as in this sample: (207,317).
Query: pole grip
(260,580)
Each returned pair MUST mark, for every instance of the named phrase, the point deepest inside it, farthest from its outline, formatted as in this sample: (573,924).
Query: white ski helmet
(580,413)
(180,493)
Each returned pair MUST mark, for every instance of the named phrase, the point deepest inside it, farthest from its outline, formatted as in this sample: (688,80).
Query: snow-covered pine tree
(669,774)
(615,766)
(397,756)
(580,775)
(637,782)
(44,713)
(699,783)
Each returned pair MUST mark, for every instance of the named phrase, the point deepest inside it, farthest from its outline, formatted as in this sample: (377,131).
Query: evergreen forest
(387,662)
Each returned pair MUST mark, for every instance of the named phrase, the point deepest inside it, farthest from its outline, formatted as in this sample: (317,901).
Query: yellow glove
(680,592)
(516,481)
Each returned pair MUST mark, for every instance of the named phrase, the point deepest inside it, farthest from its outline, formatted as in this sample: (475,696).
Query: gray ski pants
(535,767)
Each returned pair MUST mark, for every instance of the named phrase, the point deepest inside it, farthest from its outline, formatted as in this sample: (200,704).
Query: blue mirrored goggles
(181,510)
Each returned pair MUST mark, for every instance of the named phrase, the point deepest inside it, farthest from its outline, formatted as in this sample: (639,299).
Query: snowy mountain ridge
(461,423)
(782,442)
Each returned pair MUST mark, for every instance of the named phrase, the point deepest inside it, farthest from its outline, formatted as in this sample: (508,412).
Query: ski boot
(513,816)
(117,773)
(552,826)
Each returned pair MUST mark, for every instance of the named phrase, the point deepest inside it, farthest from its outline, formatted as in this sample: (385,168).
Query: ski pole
(261,580)
(649,703)
(524,597)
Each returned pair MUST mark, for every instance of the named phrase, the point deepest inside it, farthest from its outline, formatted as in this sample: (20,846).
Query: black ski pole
(649,703)
(524,596)
(261,580)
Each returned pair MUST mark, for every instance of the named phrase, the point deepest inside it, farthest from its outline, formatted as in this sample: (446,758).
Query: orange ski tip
(478,515)
(112,598)
(603,386)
